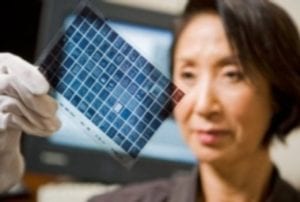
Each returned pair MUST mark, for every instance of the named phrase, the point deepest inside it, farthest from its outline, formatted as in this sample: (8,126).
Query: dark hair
(266,41)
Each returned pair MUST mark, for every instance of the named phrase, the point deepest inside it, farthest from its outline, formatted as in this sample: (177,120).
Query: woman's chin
(209,154)
(209,157)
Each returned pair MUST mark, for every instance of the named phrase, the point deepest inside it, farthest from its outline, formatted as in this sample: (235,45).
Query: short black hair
(266,41)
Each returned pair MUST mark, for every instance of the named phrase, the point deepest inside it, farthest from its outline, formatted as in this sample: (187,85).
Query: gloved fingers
(29,128)
(42,104)
(4,122)
(12,106)
(10,139)
(27,74)
(26,105)
(18,123)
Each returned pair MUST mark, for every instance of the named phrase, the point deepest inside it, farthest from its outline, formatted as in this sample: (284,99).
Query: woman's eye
(187,75)
(188,78)
(234,75)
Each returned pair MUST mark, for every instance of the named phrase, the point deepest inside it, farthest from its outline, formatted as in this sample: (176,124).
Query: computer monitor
(70,153)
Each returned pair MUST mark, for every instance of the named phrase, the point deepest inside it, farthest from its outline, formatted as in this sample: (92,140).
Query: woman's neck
(243,181)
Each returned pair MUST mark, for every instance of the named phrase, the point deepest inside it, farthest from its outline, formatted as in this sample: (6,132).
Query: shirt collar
(186,187)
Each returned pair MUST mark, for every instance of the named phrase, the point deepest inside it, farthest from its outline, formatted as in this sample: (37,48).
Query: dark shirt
(184,189)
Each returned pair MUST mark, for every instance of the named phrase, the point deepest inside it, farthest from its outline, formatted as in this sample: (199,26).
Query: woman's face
(223,115)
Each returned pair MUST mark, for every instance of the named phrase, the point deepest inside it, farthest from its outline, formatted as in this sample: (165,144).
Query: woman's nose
(206,101)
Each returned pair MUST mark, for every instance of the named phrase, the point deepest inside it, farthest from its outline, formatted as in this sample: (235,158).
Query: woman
(237,61)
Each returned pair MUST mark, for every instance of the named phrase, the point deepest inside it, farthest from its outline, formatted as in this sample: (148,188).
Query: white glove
(24,106)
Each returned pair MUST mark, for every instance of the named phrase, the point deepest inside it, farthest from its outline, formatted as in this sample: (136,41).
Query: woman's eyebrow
(231,59)
(184,64)
(185,60)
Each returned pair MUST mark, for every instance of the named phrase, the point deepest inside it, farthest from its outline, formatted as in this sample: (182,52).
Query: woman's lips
(211,137)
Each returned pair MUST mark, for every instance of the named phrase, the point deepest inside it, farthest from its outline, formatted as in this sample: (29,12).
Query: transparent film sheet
(105,87)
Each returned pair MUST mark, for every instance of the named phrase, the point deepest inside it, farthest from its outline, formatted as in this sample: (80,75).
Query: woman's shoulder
(287,192)
(158,190)
(283,191)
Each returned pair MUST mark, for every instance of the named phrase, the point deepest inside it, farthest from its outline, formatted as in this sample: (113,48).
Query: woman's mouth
(212,136)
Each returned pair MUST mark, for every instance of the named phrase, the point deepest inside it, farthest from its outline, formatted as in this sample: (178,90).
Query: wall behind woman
(286,155)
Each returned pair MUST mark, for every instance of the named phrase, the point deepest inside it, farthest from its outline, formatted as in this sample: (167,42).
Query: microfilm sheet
(105,87)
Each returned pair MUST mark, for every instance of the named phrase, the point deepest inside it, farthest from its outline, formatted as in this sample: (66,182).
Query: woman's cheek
(239,109)
(183,113)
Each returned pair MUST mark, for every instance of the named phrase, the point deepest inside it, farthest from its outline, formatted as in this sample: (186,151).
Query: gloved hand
(24,106)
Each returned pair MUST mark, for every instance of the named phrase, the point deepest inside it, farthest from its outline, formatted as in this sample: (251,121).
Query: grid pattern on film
(109,81)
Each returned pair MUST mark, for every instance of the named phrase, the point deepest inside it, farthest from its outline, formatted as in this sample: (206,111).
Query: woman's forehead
(203,34)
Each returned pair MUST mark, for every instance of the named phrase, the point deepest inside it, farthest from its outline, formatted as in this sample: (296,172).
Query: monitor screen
(165,150)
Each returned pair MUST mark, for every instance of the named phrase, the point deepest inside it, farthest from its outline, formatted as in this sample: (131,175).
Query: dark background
(19,22)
